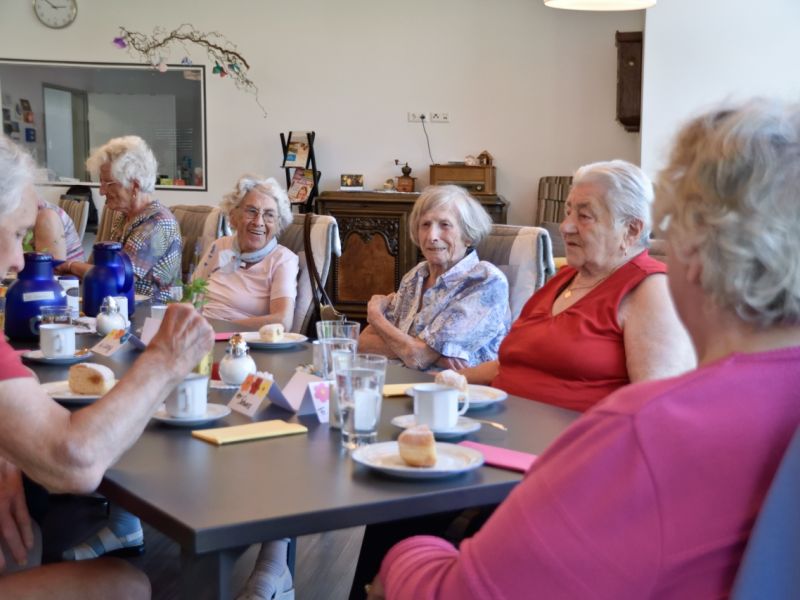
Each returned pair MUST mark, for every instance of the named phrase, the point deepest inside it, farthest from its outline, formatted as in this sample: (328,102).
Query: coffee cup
(189,398)
(122,302)
(157,311)
(57,340)
(436,406)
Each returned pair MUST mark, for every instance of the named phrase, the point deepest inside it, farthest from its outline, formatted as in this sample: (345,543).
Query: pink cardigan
(651,494)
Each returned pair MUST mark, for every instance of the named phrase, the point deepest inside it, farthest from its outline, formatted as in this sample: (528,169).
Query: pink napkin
(503,457)
(223,336)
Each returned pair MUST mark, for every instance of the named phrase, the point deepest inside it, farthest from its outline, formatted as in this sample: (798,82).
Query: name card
(251,394)
(111,343)
(300,396)
(320,392)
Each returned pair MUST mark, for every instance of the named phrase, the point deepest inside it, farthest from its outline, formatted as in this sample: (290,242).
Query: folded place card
(297,394)
(503,457)
(250,431)
(398,389)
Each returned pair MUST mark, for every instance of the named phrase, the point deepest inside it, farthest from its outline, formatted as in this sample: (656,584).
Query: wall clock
(56,14)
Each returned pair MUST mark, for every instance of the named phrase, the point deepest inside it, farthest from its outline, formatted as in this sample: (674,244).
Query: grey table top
(211,498)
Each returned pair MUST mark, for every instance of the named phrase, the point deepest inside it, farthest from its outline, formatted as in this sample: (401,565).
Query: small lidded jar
(237,363)
(110,318)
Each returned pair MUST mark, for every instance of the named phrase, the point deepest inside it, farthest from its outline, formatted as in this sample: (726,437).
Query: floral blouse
(153,243)
(465,314)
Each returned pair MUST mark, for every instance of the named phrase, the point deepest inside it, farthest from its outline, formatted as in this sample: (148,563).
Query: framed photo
(351,182)
(26,106)
(297,150)
(27,116)
(30,134)
(6,114)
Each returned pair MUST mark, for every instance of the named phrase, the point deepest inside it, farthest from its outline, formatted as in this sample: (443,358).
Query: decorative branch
(155,49)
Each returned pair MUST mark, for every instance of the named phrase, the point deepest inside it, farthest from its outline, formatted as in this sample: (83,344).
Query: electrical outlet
(416,117)
(440,117)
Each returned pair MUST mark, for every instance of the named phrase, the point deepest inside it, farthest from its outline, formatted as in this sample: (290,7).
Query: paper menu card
(250,431)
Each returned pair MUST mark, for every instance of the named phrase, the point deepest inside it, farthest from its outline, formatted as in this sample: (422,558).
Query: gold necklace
(573,288)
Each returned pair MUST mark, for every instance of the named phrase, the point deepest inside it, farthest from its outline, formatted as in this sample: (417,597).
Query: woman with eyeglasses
(252,280)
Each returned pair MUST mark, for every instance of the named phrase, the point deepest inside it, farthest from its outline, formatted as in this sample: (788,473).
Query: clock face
(56,13)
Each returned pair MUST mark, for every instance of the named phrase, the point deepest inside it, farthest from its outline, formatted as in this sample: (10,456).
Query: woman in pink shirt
(252,280)
(652,493)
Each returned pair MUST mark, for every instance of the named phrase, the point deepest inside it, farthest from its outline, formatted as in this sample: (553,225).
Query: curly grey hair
(16,174)
(475,223)
(730,191)
(269,187)
(131,160)
(629,192)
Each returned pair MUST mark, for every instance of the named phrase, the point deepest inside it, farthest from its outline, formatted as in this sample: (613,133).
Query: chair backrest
(78,211)
(552,198)
(104,226)
(200,225)
(524,255)
(769,565)
(325,244)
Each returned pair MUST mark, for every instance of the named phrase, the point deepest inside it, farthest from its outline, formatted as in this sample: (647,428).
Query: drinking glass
(55,314)
(360,395)
(376,362)
(337,353)
(338,329)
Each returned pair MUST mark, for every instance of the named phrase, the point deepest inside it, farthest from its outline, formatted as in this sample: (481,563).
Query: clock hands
(54,6)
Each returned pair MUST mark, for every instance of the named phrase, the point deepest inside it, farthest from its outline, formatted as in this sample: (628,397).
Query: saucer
(451,460)
(59,390)
(218,384)
(38,356)
(288,340)
(464,425)
(213,412)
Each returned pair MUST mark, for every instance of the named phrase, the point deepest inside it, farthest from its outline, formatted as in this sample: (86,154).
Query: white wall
(698,54)
(534,86)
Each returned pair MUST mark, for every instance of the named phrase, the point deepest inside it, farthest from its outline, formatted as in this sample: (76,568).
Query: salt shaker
(110,318)
(237,363)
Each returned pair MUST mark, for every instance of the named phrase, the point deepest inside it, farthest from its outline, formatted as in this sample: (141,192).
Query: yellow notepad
(250,431)
(397,389)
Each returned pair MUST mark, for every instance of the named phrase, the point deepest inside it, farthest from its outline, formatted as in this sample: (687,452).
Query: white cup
(57,340)
(189,398)
(436,406)
(157,311)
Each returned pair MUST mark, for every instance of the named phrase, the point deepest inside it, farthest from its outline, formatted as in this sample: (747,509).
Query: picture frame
(26,105)
(30,134)
(351,182)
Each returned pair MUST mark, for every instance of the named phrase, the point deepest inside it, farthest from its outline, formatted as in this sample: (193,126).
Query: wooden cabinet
(376,248)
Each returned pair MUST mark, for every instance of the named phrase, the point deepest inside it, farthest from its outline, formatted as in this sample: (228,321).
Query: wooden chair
(524,255)
(200,225)
(78,211)
(552,198)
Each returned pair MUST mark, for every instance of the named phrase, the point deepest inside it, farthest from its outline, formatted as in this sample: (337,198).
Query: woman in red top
(604,320)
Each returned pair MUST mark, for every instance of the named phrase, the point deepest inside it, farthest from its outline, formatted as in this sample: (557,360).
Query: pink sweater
(651,494)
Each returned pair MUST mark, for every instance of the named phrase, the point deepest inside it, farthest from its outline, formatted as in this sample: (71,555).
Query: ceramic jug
(111,275)
(34,288)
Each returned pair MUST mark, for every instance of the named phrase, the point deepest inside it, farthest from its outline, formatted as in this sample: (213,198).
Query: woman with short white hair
(147,230)
(252,280)
(451,310)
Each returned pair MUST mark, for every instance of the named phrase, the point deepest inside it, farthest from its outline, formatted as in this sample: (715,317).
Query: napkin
(504,458)
(397,389)
(250,431)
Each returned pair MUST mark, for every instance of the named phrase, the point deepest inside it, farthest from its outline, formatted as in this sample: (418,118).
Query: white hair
(475,223)
(628,192)
(131,160)
(269,187)
(16,174)
(731,191)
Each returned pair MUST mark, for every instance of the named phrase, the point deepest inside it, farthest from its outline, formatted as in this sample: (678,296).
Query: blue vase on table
(111,275)
(34,288)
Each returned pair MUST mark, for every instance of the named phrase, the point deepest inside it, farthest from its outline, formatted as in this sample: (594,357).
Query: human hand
(184,338)
(15,522)
(65,268)
(375,589)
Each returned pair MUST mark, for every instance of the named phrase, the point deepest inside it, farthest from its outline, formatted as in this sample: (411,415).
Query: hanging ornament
(120,42)
(217,68)
(186,61)
(162,66)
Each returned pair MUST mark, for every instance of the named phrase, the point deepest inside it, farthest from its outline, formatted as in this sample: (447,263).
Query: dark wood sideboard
(376,248)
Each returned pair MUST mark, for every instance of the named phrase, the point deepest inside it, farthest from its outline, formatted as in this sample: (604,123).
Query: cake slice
(417,446)
(90,379)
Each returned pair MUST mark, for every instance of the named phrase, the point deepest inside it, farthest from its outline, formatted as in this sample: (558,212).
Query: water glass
(336,353)
(375,362)
(55,314)
(360,394)
(338,329)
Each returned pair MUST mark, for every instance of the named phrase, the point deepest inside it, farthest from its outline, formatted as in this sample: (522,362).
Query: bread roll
(272,332)
(417,446)
(91,379)
(452,379)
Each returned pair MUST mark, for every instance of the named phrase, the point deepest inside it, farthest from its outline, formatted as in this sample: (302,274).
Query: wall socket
(439,117)
(432,117)
(416,117)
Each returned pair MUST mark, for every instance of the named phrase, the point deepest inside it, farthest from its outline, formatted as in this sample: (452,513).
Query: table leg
(208,576)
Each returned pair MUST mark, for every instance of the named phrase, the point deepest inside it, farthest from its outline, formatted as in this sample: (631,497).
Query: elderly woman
(54,232)
(452,309)
(252,280)
(606,319)
(148,232)
(696,452)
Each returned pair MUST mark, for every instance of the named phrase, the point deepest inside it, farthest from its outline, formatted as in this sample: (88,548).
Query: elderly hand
(15,522)
(377,306)
(375,590)
(184,337)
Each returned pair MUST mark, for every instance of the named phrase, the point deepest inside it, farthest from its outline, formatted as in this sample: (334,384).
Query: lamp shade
(600,4)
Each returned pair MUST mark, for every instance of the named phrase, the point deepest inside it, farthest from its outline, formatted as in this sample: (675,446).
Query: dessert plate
(213,412)
(480,396)
(464,425)
(287,341)
(218,384)
(451,460)
(59,390)
(38,356)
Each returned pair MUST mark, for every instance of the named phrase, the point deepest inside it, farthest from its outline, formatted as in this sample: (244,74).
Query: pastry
(272,332)
(417,446)
(90,379)
(452,379)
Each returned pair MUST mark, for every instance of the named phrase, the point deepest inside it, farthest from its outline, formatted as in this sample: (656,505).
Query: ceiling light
(600,4)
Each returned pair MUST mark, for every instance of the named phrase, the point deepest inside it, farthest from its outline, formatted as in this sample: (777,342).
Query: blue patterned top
(153,243)
(465,314)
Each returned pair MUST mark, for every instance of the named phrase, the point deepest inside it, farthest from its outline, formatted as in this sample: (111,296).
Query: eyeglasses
(252,214)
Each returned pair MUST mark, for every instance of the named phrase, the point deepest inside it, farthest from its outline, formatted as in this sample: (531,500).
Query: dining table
(215,501)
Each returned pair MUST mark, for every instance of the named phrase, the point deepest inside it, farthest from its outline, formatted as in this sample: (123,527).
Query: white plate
(289,339)
(217,384)
(464,425)
(59,390)
(213,412)
(450,460)
(480,396)
(140,298)
(38,356)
